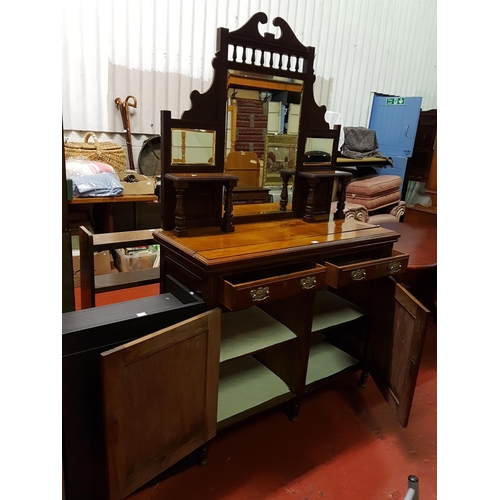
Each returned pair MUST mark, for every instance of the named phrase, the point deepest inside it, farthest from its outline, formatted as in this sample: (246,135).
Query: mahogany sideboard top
(272,240)
(206,253)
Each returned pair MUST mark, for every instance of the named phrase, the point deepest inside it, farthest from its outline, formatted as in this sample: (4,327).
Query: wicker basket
(105,152)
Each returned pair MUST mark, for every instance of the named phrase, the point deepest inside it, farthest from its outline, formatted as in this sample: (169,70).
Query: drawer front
(242,295)
(338,275)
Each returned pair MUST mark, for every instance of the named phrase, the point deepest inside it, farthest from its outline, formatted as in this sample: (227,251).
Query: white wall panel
(161,50)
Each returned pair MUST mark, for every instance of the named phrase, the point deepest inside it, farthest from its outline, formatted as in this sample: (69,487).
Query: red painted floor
(347,445)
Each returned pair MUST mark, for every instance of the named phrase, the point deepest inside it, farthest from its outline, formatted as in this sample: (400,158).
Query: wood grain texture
(157,407)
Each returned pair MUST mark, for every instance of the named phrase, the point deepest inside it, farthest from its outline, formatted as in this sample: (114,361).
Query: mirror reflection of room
(262,128)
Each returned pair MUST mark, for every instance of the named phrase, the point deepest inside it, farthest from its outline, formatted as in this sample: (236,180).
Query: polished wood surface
(101,208)
(420,242)
(150,198)
(279,242)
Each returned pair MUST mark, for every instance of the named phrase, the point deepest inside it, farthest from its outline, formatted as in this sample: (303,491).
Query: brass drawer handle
(394,267)
(307,283)
(261,293)
(358,275)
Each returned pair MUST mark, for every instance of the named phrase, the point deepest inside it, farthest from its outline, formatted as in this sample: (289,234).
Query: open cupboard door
(395,357)
(159,400)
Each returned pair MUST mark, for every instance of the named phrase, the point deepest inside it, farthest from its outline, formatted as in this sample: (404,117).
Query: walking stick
(124,111)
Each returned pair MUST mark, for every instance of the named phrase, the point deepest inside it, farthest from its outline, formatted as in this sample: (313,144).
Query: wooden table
(101,208)
(343,161)
(420,243)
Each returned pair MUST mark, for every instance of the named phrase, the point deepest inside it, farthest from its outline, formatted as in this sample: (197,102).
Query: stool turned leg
(284,192)
(341,195)
(227,219)
(311,201)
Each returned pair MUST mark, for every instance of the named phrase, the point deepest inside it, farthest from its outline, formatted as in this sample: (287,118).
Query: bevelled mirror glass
(193,147)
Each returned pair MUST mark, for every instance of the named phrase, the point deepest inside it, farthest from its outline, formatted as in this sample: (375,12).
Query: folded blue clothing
(102,184)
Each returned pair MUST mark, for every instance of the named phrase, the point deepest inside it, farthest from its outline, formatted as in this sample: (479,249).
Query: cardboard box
(134,262)
(145,185)
(76,267)
(103,264)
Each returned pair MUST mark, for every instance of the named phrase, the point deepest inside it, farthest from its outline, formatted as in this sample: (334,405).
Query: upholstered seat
(374,199)
(374,191)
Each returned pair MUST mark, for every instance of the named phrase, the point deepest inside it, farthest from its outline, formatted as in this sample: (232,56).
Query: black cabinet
(85,335)
(419,165)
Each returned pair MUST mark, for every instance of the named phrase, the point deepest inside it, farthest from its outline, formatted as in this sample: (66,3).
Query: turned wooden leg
(311,201)
(363,379)
(180,214)
(227,218)
(203,455)
(341,195)
(292,411)
(284,192)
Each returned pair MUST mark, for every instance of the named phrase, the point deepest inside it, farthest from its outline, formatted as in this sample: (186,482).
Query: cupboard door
(395,357)
(159,400)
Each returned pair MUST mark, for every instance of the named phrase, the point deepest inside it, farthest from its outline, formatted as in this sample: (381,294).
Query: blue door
(395,120)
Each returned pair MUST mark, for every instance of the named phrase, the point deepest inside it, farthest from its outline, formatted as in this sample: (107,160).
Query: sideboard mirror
(270,69)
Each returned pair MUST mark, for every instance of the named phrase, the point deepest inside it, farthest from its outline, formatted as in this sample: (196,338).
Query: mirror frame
(246,51)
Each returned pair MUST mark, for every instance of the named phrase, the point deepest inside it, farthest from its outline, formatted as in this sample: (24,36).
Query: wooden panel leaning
(90,243)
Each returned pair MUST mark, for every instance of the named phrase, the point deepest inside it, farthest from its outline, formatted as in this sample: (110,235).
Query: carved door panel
(159,400)
(395,356)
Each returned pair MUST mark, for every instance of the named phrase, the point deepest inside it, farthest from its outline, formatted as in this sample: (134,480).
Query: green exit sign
(395,100)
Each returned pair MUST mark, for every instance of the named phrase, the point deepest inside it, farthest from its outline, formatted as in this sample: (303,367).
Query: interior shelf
(325,359)
(248,331)
(331,310)
(244,384)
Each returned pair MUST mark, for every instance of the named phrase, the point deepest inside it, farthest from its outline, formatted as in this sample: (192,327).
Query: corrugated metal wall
(159,51)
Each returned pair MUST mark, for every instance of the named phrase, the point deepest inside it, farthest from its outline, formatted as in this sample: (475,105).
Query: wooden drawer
(340,272)
(253,288)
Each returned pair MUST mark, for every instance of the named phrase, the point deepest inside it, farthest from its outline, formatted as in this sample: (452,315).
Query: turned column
(227,218)
(341,195)
(285,176)
(180,213)
(311,200)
